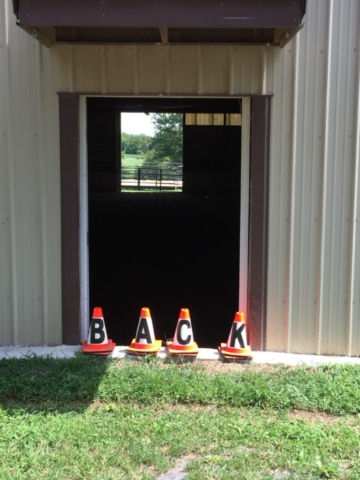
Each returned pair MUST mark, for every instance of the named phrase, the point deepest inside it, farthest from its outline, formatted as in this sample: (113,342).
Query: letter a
(143,332)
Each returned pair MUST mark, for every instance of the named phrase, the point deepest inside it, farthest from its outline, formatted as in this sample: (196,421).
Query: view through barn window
(151,152)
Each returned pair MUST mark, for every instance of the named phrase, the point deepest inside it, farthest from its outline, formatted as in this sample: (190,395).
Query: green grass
(133,160)
(89,418)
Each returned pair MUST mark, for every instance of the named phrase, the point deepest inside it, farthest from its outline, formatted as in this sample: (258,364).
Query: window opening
(151,152)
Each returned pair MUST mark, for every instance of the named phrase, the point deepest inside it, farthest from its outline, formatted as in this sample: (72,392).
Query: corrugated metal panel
(6,303)
(30,311)
(314,238)
(155,69)
(30,77)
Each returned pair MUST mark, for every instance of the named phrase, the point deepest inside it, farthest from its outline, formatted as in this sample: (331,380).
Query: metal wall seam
(339,249)
(264,70)
(231,71)
(320,295)
(277,317)
(50,211)
(104,77)
(6,208)
(13,252)
(313,155)
(354,297)
(199,70)
(42,185)
(292,194)
(342,122)
(167,71)
(311,75)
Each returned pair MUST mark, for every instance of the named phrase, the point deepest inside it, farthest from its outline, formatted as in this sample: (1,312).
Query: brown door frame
(258,218)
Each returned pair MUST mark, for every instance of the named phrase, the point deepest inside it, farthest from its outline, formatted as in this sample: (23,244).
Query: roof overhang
(245,22)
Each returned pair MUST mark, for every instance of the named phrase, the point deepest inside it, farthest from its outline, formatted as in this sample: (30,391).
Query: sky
(137,123)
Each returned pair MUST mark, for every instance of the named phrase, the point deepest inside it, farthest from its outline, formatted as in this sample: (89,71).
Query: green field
(133,160)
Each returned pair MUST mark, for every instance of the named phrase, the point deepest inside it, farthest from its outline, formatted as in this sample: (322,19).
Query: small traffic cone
(98,342)
(236,346)
(144,341)
(183,342)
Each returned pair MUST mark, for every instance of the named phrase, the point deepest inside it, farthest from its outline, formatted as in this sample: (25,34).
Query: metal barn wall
(30,78)
(30,249)
(314,238)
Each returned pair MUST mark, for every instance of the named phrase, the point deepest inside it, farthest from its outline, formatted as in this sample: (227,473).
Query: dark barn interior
(167,250)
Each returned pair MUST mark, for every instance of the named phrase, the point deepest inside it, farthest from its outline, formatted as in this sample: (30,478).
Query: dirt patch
(178,472)
(314,417)
(211,366)
(228,366)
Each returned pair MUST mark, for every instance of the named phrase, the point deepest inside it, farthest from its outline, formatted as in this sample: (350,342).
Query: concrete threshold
(120,352)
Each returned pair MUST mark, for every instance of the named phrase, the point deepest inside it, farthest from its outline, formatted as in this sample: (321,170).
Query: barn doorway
(166,250)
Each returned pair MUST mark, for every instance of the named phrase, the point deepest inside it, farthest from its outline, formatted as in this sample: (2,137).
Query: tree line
(166,147)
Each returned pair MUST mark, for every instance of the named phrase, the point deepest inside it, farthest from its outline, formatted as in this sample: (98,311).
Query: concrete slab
(293,359)
(61,351)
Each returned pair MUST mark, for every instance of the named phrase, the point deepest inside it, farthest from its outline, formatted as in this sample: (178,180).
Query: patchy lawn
(89,418)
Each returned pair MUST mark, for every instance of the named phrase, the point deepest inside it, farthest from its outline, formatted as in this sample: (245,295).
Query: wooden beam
(282,36)
(258,221)
(70,243)
(45,35)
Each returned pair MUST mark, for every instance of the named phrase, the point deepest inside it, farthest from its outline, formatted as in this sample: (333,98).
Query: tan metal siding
(30,77)
(154,69)
(313,159)
(354,265)
(314,217)
(30,311)
(6,303)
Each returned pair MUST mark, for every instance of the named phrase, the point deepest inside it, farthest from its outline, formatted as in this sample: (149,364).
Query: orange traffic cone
(98,342)
(183,343)
(144,341)
(236,346)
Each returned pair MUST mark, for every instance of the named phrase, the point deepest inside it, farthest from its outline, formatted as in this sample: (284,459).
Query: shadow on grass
(45,384)
(38,384)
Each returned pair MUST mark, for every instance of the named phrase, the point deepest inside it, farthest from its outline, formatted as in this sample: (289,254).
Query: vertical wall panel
(152,69)
(215,69)
(313,243)
(340,158)
(307,141)
(183,69)
(354,261)
(7,317)
(30,282)
(280,174)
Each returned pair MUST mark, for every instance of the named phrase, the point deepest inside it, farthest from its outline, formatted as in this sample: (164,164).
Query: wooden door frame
(69,109)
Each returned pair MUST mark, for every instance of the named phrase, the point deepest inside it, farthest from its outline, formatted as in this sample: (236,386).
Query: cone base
(151,349)
(102,349)
(188,350)
(243,353)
